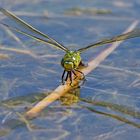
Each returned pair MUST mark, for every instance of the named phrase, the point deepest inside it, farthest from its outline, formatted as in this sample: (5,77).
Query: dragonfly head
(71,60)
(68,65)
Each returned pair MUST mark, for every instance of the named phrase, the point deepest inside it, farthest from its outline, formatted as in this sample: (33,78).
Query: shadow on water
(120,108)
(13,119)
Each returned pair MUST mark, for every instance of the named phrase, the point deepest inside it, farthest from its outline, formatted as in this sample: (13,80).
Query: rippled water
(106,107)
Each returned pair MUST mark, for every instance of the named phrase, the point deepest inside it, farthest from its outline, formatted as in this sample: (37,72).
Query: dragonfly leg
(81,73)
(70,76)
(81,63)
(83,78)
(63,76)
(74,74)
(67,76)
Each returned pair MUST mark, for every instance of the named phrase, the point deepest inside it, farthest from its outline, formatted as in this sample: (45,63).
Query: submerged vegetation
(106,109)
(89,113)
(78,11)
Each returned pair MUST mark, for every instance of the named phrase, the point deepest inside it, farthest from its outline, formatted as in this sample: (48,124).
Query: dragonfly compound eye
(68,65)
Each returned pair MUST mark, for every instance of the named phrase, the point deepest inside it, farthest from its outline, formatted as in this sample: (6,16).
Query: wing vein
(132,34)
(31,28)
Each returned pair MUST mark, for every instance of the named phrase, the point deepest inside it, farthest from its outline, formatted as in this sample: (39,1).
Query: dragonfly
(71,60)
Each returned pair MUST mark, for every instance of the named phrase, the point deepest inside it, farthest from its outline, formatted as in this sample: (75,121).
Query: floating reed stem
(63,89)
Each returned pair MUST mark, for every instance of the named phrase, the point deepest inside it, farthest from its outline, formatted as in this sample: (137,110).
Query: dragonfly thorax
(71,60)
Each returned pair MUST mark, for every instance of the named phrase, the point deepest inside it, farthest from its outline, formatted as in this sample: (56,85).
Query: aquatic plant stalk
(63,89)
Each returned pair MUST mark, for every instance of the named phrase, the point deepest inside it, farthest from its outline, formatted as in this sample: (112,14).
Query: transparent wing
(29,35)
(132,34)
(31,28)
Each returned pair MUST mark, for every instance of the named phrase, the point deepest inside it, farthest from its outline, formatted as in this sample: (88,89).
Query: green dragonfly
(72,59)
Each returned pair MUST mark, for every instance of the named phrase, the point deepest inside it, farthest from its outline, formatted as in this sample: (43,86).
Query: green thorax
(71,60)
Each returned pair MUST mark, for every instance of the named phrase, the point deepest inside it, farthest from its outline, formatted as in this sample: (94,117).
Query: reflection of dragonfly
(72,59)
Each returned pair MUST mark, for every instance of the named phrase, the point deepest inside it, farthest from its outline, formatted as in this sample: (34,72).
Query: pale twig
(63,89)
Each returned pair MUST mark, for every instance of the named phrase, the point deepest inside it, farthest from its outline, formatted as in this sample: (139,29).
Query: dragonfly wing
(29,35)
(31,28)
(132,34)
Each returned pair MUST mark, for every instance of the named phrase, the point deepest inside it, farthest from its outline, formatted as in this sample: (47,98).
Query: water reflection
(72,100)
